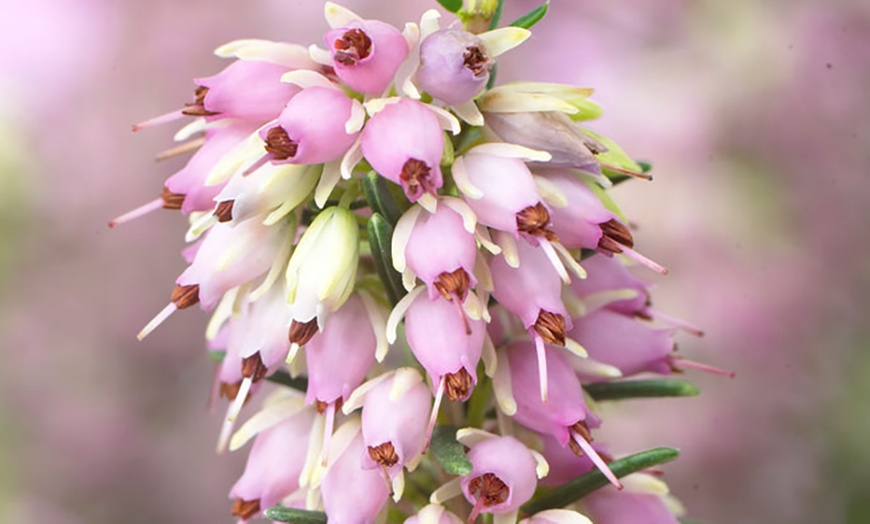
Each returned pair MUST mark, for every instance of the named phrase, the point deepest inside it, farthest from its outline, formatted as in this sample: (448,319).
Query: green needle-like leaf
(297,516)
(575,489)
(451,5)
(448,452)
(284,378)
(532,17)
(496,17)
(381,239)
(645,166)
(380,199)
(654,388)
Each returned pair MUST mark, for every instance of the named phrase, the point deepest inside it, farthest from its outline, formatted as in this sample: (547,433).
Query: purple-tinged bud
(454,66)
(404,143)
(341,354)
(366,54)
(578,224)
(274,465)
(433,514)
(439,340)
(394,418)
(442,253)
(311,129)
(503,478)
(351,494)
(246,90)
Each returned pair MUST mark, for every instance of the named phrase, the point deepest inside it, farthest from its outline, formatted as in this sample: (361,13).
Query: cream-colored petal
(351,158)
(402,235)
(446,119)
(320,55)
(569,260)
(281,53)
(502,388)
(338,16)
(429,23)
(471,437)
(379,324)
(506,518)
(510,102)
(488,355)
(504,39)
(305,79)
(266,419)
(645,483)
(510,151)
(574,347)
(468,112)
(591,367)
(196,126)
(404,379)
(460,177)
(469,219)
(550,192)
(398,486)
(447,491)
(508,245)
(542,468)
(398,313)
(356,399)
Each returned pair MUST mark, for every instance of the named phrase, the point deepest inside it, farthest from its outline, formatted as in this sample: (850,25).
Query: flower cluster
(375,226)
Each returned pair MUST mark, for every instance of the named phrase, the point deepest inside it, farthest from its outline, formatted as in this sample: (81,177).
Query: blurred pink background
(756,116)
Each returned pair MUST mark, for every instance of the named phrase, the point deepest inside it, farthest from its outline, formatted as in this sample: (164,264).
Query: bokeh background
(755,114)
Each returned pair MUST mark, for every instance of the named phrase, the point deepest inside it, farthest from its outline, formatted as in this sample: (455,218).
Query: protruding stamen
(186,147)
(353,46)
(617,239)
(279,144)
(233,413)
(644,261)
(327,432)
(635,174)
(580,445)
(230,390)
(415,176)
(458,385)
(185,296)
(439,396)
(489,490)
(678,364)
(140,211)
(535,221)
(224,210)
(158,120)
(157,320)
(171,200)
(254,368)
(651,314)
(245,509)
(542,368)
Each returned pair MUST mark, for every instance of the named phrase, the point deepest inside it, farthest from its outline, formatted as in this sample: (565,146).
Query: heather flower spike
(413,205)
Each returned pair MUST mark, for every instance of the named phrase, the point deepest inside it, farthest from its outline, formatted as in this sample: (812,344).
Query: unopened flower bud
(454,65)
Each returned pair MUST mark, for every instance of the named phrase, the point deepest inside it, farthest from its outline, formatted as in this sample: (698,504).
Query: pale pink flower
(503,478)
(454,65)
(246,89)
(366,54)
(351,494)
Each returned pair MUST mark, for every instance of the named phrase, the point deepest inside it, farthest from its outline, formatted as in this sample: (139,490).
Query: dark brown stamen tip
(230,391)
(458,385)
(535,220)
(321,405)
(384,454)
(353,46)
(245,509)
(453,284)
(475,60)
(301,332)
(279,144)
(224,211)
(254,368)
(185,296)
(581,430)
(171,200)
(415,174)
(550,327)
(614,237)
(197,107)
(490,488)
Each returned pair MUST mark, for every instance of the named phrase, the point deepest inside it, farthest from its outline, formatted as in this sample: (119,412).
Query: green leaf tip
(532,17)
(284,378)
(379,198)
(296,516)
(381,240)
(577,488)
(654,388)
(451,5)
(448,452)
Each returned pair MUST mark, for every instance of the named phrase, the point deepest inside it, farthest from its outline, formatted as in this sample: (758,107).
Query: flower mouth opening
(415,175)
(353,46)
(453,284)
(476,61)
(384,454)
(279,144)
(197,107)
(489,490)
(245,509)
(185,296)
(535,221)
(458,385)
(550,327)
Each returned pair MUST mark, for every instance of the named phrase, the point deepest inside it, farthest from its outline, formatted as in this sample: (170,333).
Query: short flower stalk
(477,289)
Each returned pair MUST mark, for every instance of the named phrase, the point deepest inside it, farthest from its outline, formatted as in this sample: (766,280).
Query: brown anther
(384,454)
(414,174)
(197,107)
(614,237)
(185,296)
(453,284)
(230,391)
(321,405)
(171,200)
(279,144)
(581,430)
(458,385)
(535,220)
(490,488)
(550,327)
(475,60)
(353,46)
(301,332)
(224,211)
(254,368)
(245,509)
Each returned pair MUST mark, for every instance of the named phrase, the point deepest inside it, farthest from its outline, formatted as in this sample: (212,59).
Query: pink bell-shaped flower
(454,65)
(609,506)
(404,143)
(246,89)
(274,465)
(503,478)
(311,129)
(433,514)
(606,275)
(578,224)
(366,54)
